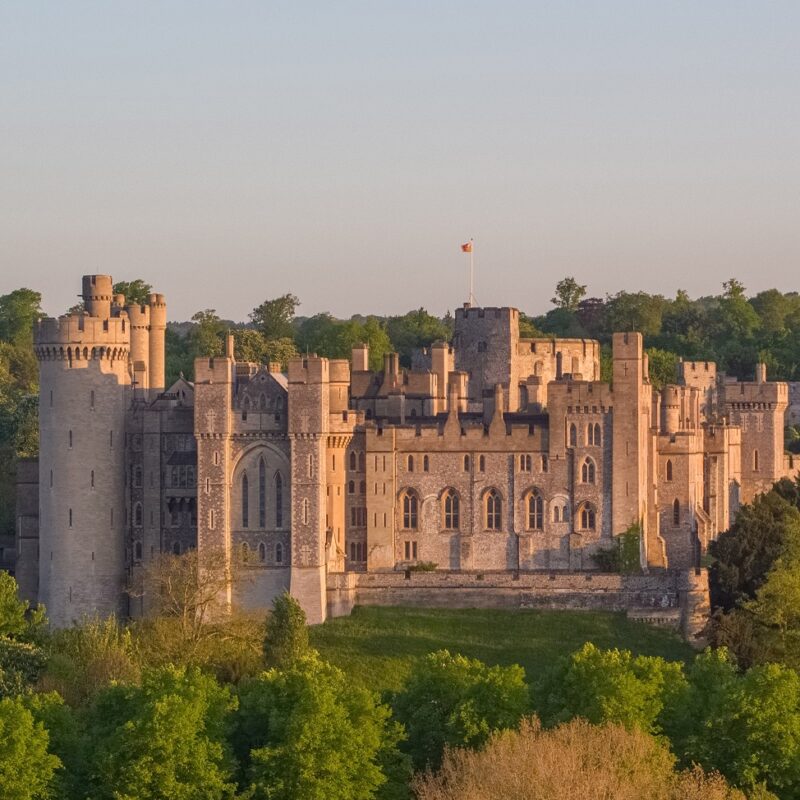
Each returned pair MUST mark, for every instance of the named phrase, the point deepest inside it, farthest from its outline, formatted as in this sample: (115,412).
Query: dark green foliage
(21,665)
(623,555)
(136,291)
(744,554)
(274,319)
(454,701)
(308,732)
(286,636)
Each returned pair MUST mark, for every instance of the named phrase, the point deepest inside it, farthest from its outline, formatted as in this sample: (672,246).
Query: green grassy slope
(377,646)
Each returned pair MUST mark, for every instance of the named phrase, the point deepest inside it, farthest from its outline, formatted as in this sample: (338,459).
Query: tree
(569,294)
(249,345)
(744,554)
(206,338)
(286,635)
(309,732)
(136,292)
(275,318)
(663,367)
(166,738)
(27,767)
(414,330)
(19,310)
(454,701)
(16,617)
(610,686)
(574,760)
(635,311)
(745,726)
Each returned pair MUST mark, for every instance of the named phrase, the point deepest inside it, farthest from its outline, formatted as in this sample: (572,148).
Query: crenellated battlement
(82,337)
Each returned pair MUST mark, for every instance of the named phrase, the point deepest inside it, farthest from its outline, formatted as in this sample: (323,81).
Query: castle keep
(494,454)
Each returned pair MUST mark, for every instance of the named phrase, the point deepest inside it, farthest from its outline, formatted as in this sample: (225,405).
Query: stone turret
(84,393)
(158,331)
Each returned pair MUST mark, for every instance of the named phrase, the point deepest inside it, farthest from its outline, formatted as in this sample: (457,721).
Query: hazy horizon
(227,153)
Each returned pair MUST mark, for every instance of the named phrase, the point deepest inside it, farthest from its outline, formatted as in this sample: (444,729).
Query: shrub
(286,638)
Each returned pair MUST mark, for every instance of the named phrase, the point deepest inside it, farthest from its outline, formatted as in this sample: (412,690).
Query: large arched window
(410,511)
(262,493)
(676,513)
(573,435)
(535,508)
(245,501)
(451,510)
(278,500)
(494,510)
(669,469)
(588,471)
(587,517)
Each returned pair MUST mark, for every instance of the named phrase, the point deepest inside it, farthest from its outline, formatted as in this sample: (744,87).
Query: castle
(494,454)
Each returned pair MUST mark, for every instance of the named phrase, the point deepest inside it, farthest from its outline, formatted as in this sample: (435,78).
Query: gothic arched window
(587,517)
(245,501)
(262,493)
(588,471)
(573,435)
(353,461)
(452,510)
(278,500)
(494,510)
(535,511)
(676,512)
(669,469)
(410,511)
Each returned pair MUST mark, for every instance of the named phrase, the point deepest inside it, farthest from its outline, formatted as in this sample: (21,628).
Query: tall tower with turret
(85,390)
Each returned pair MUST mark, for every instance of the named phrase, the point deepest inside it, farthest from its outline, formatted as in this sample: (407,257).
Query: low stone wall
(681,596)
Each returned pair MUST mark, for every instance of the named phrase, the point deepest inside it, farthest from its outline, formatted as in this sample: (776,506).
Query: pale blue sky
(232,151)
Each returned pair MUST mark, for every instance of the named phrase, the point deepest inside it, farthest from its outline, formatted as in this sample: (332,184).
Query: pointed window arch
(676,512)
(598,438)
(573,435)
(262,552)
(278,500)
(353,462)
(410,510)
(411,463)
(262,493)
(278,553)
(535,511)
(494,510)
(245,500)
(587,517)
(588,471)
(669,469)
(451,509)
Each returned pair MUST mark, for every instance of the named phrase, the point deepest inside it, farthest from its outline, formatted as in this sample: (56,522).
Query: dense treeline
(99,712)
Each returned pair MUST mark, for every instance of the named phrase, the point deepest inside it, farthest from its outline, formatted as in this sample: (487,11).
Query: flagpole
(471,274)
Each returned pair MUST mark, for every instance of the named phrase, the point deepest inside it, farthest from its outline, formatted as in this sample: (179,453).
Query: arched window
(278,500)
(669,469)
(351,487)
(535,511)
(245,501)
(573,435)
(598,439)
(262,493)
(593,434)
(676,512)
(426,464)
(246,404)
(410,511)
(481,464)
(362,487)
(353,463)
(411,463)
(494,510)
(262,552)
(588,471)
(587,517)
(755,460)
(137,514)
(452,510)
(137,551)
(556,513)
(466,463)
(278,553)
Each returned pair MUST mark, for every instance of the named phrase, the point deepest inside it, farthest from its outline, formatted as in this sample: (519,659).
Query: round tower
(158,330)
(139,321)
(84,393)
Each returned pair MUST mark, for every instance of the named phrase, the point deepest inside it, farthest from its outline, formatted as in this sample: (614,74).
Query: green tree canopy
(286,633)
(309,732)
(569,294)
(274,319)
(454,701)
(136,291)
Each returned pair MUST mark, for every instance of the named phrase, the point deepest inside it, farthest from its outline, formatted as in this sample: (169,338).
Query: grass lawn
(377,646)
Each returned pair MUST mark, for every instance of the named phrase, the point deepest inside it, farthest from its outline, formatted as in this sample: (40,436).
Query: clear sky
(232,151)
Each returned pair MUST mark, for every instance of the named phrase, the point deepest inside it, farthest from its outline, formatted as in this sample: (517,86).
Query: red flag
(467,248)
